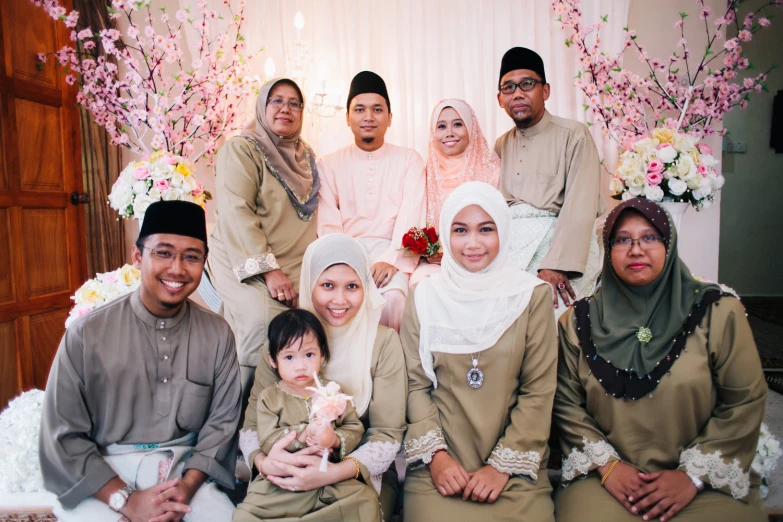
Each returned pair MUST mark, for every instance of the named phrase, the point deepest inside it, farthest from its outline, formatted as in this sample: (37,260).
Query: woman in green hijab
(660,392)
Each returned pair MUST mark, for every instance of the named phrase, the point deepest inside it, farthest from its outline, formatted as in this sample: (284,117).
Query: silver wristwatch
(119,498)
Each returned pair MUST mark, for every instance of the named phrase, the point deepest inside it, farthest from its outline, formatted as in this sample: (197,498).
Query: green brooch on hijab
(644,335)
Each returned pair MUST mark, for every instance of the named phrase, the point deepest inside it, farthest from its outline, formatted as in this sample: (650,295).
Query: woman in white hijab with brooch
(366,360)
(481,352)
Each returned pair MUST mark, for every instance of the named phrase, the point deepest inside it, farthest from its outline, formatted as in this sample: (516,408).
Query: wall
(751,235)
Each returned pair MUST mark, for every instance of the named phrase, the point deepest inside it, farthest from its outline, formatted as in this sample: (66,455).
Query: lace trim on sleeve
(719,473)
(422,448)
(507,460)
(593,454)
(377,456)
(255,265)
(248,443)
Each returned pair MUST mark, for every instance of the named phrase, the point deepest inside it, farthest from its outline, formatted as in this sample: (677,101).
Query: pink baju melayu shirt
(373,195)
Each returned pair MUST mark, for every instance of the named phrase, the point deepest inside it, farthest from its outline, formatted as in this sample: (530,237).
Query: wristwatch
(119,498)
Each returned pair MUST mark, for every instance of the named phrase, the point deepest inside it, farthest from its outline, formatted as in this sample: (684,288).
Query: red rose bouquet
(421,241)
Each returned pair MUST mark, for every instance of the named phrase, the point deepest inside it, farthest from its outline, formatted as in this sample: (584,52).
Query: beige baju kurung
(376,198)
(504,423)
(703,418)
(279,412)
(384,420)
(125,377)
(257,230)
(551,178)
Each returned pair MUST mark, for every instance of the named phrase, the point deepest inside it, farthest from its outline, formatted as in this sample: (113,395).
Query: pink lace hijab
(445,173)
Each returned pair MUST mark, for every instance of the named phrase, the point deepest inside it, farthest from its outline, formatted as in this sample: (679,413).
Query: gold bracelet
(606,476)
(358,468)
(261,465)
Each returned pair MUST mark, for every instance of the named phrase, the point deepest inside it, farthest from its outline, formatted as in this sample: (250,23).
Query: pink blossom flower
(731,44)
(705,12)
(42,57)
(745,35)
(764,22)
(654,178)
(70,79)
(704,148)
(162,185)
(141,172)
(655,166)
(702,169)
(84,33)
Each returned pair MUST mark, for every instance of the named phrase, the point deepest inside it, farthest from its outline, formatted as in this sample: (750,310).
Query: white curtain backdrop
(426,51)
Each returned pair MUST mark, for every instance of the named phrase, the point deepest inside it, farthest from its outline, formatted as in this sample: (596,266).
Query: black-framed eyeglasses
(278,104)
(627,243)
(168,256)
(528,84)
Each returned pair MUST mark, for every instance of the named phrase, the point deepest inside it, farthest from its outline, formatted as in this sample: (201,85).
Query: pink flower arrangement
(629,106)
(154,96)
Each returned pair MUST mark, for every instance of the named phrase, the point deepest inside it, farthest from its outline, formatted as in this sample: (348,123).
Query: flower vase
(676,209)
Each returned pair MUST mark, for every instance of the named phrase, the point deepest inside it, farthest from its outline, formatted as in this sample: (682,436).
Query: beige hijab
(351,345)
(290,159)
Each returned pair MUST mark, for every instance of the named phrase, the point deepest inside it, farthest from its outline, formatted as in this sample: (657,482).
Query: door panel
(42,258)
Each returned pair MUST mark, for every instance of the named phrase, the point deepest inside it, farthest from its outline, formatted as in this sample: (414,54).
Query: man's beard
(368,140)
(523,123)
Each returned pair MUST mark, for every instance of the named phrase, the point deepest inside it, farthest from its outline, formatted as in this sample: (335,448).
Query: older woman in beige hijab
(267,194)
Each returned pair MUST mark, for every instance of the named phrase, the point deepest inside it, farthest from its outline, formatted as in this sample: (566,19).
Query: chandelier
(323,96)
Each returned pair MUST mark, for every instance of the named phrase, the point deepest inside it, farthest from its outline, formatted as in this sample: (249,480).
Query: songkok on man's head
(181,218)
(368,82)
(521,58)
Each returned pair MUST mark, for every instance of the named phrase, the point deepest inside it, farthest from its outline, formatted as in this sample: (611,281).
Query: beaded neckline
(624,383)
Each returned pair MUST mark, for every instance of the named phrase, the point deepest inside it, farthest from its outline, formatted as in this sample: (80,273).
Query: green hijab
(619,311)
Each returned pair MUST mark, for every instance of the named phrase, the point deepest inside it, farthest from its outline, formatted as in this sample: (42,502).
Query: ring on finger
(280,295)
(561,286)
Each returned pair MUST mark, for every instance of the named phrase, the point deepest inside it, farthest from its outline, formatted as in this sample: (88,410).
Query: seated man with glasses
(551,179)
(142,404)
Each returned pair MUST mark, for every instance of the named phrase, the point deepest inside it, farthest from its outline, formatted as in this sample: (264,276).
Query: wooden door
(42,255)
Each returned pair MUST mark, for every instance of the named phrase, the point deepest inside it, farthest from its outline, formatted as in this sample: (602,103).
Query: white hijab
(351,345)
(464,312)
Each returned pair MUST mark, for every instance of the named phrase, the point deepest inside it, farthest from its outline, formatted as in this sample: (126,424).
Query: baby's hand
(325,437)
(305,434)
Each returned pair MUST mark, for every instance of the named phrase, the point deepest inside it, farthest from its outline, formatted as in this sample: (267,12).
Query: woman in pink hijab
(458,152)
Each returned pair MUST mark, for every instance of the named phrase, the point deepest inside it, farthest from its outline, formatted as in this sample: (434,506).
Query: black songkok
(182,218)
(521,58)
(368,82)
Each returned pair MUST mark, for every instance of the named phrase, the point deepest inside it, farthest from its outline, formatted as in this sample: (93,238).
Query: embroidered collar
(624,383)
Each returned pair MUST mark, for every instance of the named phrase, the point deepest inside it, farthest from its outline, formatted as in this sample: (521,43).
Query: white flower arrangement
(103,289)
(162,176)
(766,459)
(667,164)
(20,424)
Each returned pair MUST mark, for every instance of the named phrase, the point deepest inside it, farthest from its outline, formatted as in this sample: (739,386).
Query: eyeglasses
(622,244)
(278,104)
(169,256)
(528,84)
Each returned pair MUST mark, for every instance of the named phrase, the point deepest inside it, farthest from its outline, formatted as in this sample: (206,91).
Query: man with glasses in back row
(142,402)
(551,180)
